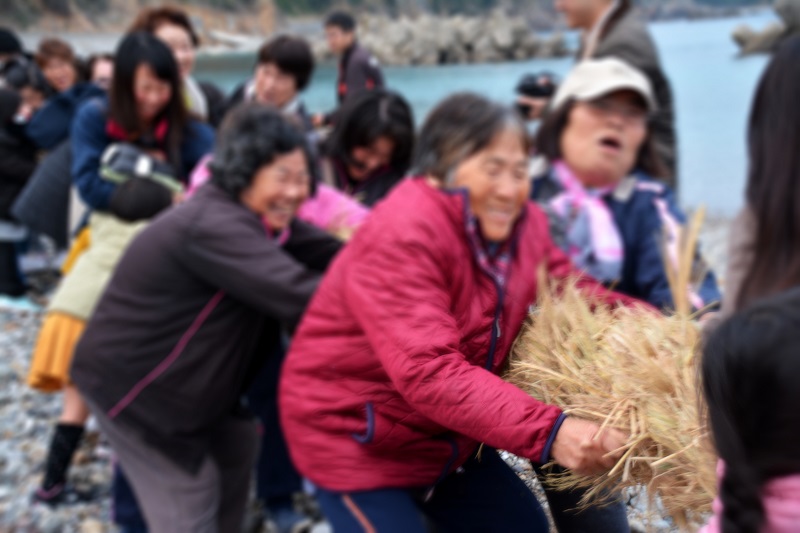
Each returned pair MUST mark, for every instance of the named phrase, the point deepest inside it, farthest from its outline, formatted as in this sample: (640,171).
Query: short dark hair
(368,116)
(141,48)
(459,127)
(750,372)
(54,49)
(548,142)
(252,136)
(152,18)
(291,55)
(9,42)
(341,19)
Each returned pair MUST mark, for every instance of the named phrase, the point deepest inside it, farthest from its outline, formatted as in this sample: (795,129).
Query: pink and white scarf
(594,243)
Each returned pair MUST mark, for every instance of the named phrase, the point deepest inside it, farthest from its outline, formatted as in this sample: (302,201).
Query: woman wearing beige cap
(607,210)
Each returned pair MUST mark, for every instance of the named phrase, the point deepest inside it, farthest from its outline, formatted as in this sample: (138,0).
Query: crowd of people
(324,303)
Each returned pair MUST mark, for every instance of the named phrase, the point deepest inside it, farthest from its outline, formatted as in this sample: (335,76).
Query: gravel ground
(26,419)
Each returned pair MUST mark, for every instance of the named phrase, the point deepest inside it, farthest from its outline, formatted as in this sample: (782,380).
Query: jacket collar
(622,193)
(118,133)
(455,203)
(592,38)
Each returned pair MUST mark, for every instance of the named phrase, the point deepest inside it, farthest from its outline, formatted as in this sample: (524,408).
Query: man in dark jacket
(283,71)
(359,70)
(612,29)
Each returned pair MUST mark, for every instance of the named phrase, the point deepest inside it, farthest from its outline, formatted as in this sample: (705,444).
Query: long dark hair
(750,372)
(140,48)
(367,117)
(773,183)
(548,142)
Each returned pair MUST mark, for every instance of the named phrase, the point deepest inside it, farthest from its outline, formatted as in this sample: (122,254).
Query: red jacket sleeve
(398,292)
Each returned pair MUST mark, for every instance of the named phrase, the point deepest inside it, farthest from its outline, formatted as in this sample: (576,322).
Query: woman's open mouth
(611,144)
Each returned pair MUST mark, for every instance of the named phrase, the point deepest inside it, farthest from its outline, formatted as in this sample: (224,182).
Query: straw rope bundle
(633,371)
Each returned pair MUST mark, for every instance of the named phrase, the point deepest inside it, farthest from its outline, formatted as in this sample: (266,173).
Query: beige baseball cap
(594,78)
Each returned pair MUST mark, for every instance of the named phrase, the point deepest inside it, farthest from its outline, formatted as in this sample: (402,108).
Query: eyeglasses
(631,113)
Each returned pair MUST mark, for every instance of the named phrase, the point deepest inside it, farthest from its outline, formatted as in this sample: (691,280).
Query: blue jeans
(484,496)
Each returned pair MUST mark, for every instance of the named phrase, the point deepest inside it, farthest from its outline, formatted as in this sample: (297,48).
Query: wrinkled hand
(582,448)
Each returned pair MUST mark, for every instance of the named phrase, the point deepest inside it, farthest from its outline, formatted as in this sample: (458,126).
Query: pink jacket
(781,499)
(329,209)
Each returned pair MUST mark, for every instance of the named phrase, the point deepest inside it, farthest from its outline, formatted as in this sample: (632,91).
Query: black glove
(139,199)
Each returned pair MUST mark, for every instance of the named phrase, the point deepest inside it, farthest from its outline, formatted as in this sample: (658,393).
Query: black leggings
(11,281)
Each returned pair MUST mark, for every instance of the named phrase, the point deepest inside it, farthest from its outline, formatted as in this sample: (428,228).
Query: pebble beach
(27,417)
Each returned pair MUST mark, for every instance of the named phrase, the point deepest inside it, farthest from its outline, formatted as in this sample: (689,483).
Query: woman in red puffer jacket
(392,381)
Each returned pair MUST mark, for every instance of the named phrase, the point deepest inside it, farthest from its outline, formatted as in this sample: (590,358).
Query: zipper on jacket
(498,312)
(496,324)
(496,331)
(446,471)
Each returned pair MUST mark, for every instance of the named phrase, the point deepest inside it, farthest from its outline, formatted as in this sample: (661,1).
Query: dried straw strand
(631,371)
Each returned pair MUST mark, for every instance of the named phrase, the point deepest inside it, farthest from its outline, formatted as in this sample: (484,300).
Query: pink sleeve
(332,210)
(713,525)
(200,175)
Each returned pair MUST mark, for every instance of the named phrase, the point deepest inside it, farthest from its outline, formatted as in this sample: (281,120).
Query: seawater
(713,90)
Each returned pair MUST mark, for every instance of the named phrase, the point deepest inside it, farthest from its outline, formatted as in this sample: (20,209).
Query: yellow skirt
(52,356)
(80,245)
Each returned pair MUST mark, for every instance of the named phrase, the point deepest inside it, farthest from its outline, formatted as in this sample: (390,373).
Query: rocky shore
(433,40)
(418,38)
(26,419)
(766,40)
(427,39)
(422,40)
